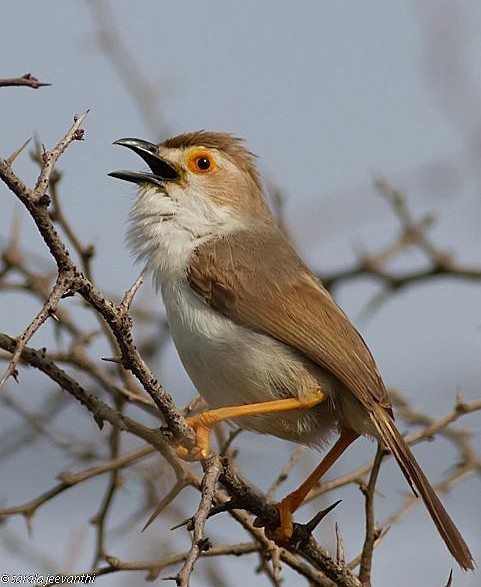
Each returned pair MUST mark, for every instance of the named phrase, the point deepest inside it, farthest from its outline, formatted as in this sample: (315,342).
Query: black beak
(162,170)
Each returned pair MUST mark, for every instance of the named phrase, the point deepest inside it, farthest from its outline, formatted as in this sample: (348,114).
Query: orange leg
(291,502)
(203,423)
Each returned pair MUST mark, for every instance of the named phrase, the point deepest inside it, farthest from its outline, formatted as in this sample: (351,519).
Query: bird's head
(199,171)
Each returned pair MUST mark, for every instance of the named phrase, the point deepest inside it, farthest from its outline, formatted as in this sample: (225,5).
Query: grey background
(328,95)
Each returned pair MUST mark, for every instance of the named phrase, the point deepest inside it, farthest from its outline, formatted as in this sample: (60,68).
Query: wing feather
(233,274)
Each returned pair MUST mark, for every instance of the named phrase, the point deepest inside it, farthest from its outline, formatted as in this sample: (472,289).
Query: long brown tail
(391,437)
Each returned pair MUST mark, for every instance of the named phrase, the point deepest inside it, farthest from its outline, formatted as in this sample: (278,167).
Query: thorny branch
(72,280)
(200,543)
(238,489)
(37,202)
(413,234)
(27,80)
(61,286)
(112,400)
(371,530)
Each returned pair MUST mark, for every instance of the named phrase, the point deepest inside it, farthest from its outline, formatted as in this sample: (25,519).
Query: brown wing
(233,274)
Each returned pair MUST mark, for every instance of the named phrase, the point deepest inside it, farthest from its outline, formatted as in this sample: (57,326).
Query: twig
(40,422)
(49,158)
(367,550)
(85,252)
(118,320)
(63,283)
(200,542)
(283,475)
(27,80)
(309,548)
(340,554)
(356,561)
(130,293)
(68,480)
(11,158)
(441,263)
(99,409)
(100,518)
(154,567)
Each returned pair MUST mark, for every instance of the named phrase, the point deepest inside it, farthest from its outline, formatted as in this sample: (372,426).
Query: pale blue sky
(328,95)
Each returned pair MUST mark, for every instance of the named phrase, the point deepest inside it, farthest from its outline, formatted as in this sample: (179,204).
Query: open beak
(162,170)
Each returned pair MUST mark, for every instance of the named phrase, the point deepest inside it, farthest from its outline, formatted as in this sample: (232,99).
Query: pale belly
(231,365)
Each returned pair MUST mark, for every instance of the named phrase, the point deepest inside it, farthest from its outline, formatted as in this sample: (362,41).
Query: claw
(196,453)
(282,533)
(201,449)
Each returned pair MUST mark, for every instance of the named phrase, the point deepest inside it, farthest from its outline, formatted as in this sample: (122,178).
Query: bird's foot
(282,533)
(201,449)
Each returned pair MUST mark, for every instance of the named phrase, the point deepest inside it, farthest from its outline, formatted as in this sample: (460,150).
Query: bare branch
(116,317)
(27,80)
(283,475)
(340,556)
(99,409)
(200,542)
(121,391)
(49,158)
(130,293)
(155,567)
(63,284)
(371,532)
(441,263)
(68,480)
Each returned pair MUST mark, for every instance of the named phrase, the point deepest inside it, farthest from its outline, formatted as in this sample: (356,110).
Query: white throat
(165,229)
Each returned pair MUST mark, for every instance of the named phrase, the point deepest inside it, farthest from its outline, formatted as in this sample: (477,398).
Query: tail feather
(391,437)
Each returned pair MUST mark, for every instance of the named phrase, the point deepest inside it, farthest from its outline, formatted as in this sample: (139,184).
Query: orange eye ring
(201,161)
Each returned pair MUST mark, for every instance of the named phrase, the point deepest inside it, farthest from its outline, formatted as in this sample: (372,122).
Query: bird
(261,338)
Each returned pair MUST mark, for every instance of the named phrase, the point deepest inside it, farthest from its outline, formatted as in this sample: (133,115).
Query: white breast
(228,364)
(232,365)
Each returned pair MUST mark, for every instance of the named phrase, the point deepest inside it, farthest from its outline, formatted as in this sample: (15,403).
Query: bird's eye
(201,161)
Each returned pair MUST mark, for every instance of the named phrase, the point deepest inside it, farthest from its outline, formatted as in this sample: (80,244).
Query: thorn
(188,523)
(171,495)
(99,421)
(113,360)
(17,152)
(312,524)
(224,507)
(28,521)
(9,373)
(450,579)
